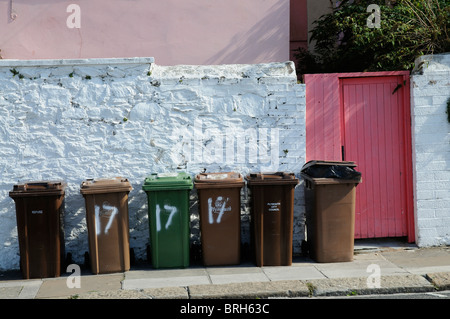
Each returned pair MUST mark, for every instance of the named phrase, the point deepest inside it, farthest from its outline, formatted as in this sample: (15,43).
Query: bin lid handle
(275,175)
(38,185)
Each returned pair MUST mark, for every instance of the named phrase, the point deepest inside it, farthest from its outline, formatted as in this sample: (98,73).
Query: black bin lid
(330,172)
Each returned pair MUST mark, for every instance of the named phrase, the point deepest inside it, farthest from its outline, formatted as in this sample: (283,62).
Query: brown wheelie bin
(330,192)
(220,217)
(272,205)
(39,214)
(107,220)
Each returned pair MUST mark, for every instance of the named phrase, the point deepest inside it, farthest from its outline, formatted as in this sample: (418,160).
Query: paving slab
(421,261)
(19,289)
(165,273)
(30,290)
(441,280)
(250,290)
(360,267)
(294,272)
(162,278)
(57,287)
(147,283)
(361,286)
(10,292)
(235,274)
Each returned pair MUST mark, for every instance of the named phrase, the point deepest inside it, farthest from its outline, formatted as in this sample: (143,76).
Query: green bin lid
(167,181)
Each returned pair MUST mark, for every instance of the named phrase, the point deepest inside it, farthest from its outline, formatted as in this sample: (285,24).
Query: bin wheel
(87,261)
(305,248)
(149,254)
(68,260)
(132,257)
(246,252)
(196,253)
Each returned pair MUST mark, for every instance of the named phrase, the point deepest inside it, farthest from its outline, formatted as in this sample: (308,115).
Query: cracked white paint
(100,118)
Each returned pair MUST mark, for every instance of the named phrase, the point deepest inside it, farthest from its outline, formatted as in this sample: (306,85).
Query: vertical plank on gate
(310,116)
(408,177)
(389,182)
(382,189)
(375,198)
(351,120)
(400,221)
(361,158)
(395,168)
(323,131)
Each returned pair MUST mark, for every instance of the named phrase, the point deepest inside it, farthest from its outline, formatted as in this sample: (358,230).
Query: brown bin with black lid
(330,194)
(220,217)
(39,215)
(272,206)
(106,202)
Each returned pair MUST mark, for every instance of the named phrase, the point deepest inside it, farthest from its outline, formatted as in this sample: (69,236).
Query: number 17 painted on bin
(109,208)
(172,209)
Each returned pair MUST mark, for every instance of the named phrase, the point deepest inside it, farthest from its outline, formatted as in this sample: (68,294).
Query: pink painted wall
(298,26)
(171,31)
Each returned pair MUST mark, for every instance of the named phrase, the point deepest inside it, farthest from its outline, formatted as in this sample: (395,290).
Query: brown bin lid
(105,185)
(38,188)
(218,180)
(278,178)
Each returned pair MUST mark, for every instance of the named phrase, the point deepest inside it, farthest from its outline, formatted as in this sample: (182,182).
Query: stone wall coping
(70,62)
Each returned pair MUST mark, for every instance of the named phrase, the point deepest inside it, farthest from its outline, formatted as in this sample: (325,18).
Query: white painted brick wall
(78,119)
(431,149)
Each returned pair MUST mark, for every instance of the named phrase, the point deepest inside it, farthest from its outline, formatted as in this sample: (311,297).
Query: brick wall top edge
(229,71)
(274,69)
(432,63)
(81,62)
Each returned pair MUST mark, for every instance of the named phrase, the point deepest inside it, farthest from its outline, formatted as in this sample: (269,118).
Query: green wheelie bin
(168,213)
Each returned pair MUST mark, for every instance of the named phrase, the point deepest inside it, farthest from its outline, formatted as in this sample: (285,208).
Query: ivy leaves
(408,29)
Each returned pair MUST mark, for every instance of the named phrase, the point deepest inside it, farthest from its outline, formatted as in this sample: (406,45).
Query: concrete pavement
(376,269)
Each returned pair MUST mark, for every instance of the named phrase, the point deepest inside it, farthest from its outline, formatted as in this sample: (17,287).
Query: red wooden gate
(365,118)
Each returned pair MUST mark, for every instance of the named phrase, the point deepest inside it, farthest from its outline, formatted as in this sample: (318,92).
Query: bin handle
(276,175)
(41,185)
(257,176)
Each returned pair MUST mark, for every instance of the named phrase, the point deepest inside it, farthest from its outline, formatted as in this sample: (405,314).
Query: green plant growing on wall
(14,72)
